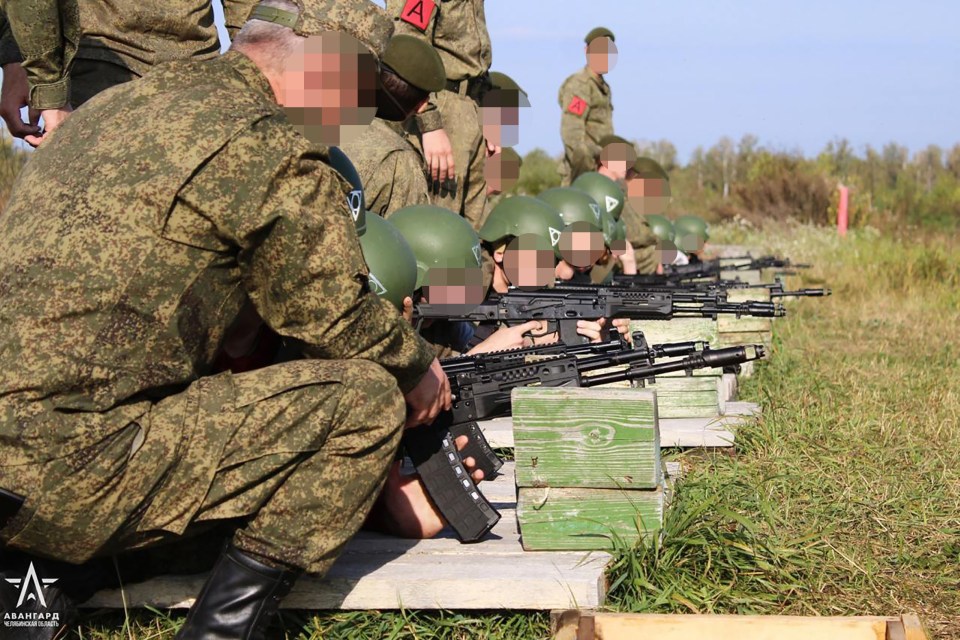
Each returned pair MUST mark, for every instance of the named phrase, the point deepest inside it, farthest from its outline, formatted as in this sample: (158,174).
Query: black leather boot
(238,601)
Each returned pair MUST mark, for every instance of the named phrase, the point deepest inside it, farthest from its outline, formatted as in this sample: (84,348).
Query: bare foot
(404,507)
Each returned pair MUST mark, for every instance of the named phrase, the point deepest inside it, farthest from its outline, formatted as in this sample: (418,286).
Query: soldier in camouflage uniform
(587,109)
(390,167)
(118,279)
(71,51)
(449,129)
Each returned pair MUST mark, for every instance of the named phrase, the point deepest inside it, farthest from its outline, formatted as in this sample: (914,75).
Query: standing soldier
(390,166)
(448,129)
(587,107)
(120,272)
(57,55)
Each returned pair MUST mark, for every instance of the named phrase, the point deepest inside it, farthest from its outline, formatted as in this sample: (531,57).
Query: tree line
(748,181)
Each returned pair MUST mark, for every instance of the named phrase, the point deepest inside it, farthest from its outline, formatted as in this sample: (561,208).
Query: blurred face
(601,55)
(529,262)
(456,289)
(330,88)
(581,245)
(500,116)
(648,195)
(616,158)
(500,173)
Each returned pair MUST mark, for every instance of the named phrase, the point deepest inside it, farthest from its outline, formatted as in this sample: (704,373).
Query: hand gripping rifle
(486,394)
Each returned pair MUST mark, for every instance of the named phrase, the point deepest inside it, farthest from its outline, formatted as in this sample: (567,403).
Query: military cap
(649,168)
(614,139)
(505,92)
(416,61)
(507,154)
(361,19)
(598,32)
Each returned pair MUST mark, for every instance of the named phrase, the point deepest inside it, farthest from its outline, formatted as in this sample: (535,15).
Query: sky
(796,74)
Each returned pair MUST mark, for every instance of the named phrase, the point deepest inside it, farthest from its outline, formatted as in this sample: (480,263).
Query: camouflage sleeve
(417,18)
(48,33)
(235,14)
(9,51)
(408,185)
(574,98)
(641,238)
(300,259)
(646,259)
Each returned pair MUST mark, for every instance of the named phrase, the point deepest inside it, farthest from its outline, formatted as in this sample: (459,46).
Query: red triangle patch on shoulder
(418,13)
(577,106)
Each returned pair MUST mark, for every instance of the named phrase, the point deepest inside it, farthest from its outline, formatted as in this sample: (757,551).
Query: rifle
(464,424)
(561,309)
(700,289)
(486,394)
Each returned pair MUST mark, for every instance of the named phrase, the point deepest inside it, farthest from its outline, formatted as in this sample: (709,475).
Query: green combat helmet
(438,238)
(393,267)
(602,189)
(574,205)
(690,233)
(519,215)
(661,227)
(355,199)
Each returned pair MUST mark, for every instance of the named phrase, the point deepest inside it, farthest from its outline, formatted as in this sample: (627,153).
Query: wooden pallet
(577,625)
(381,572)
(714,431)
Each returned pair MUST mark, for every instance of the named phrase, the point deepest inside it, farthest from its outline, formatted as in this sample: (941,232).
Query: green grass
(844,499)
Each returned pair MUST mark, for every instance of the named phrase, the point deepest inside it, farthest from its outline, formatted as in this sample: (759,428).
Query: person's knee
(371,397)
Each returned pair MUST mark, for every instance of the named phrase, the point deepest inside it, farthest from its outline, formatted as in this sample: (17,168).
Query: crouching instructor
(131,241)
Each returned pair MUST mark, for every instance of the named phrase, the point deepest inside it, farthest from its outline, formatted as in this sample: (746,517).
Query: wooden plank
(728,388)
(743,409)
(600,438)
(733,324)
(677,330)
(691,433)
(556,519)
(614,626)
(382,572)
(685,433)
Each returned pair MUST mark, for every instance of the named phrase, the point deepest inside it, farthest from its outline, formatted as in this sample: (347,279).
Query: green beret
(614,139)
(598,32)
(649,168)
(361,19)
(505,92)
(415,61)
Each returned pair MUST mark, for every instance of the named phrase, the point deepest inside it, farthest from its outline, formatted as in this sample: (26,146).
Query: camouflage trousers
(297,451)
(461,118)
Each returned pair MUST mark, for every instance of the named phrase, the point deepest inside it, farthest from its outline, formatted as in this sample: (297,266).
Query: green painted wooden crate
(555,519)
(680,395)
(587,464)
(600,438)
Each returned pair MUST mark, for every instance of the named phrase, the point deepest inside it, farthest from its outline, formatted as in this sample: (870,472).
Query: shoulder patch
(577,106)
(418,13)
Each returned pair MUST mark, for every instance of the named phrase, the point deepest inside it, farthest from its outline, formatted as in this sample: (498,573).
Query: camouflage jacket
(122,264)
(641,238)
(135,35)
(457,29)
(390,168)
(587,106)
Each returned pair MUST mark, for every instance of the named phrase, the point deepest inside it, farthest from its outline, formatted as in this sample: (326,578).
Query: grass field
(843,499)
